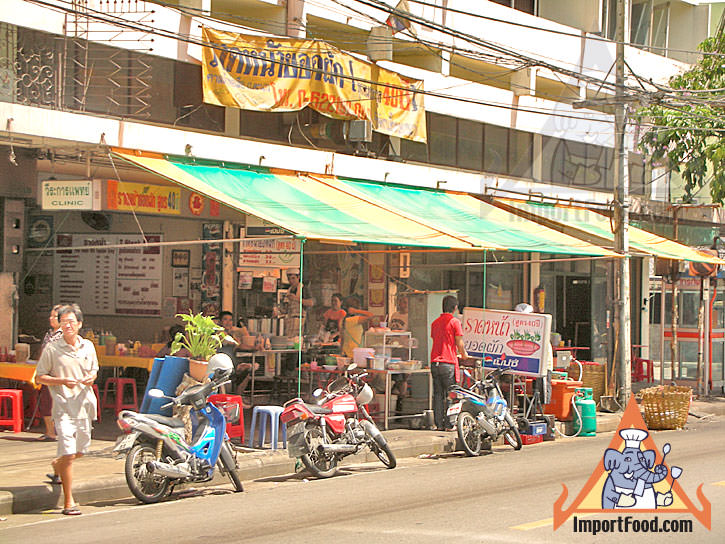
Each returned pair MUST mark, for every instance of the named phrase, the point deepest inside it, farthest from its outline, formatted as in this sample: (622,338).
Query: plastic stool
(98,402)
(14,418)
(234,430)
(117,403)
(639,373)
(261,413)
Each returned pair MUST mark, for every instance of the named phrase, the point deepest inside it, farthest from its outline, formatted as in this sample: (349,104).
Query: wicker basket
(593,375)
(666,406)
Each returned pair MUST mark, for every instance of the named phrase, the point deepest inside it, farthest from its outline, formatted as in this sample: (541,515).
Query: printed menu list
(109,281)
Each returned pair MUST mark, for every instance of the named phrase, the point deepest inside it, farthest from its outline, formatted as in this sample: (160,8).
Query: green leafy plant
(202,337)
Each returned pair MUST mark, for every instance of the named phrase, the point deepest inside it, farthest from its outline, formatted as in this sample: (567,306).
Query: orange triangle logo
(632,476)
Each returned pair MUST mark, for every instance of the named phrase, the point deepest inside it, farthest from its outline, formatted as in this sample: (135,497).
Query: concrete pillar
(380,43)
(228,287)
(523,82)
(296,19)
(204,5)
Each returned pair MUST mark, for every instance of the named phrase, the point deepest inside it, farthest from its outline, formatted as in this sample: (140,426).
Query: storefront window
(470,144)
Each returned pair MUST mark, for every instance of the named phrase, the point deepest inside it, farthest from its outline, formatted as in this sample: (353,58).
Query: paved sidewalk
(98,476)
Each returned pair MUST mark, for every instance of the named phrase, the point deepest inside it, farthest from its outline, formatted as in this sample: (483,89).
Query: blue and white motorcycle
(158,458)
(482,414)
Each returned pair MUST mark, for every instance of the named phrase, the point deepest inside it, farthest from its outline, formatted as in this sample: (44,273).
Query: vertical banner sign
(261,73)
(514,340)
(211,258)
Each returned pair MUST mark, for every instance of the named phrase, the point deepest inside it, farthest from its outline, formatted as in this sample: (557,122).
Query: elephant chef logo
(633,476)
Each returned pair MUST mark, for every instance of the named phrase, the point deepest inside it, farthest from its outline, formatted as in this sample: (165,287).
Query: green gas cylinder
(587,408)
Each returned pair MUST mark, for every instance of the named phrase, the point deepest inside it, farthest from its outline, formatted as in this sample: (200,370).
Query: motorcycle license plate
(125,442)
(296,445)
(454,410)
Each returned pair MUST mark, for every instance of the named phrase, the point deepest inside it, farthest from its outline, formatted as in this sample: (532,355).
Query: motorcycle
(336,426)
(157,456)
(481,413)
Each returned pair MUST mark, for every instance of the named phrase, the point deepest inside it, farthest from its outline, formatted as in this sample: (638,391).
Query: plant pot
(197,369)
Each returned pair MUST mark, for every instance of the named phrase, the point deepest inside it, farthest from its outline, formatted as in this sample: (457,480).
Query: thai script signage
(143,197)
(513,340)
(83,194)
(269,252)
(285,74)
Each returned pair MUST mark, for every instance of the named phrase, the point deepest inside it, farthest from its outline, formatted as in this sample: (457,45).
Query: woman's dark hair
(337,296)
(351,301)
(449,304)
(173,331)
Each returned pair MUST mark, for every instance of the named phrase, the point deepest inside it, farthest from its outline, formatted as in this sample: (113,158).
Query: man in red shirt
(447,335)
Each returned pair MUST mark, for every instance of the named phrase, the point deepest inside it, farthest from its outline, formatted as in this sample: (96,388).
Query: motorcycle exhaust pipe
(487,426)
(338,448)
(164,469)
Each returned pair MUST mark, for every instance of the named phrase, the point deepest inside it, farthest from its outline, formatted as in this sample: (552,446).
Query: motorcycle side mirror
(351,366)
(468,374)
(156,393)
(317,393)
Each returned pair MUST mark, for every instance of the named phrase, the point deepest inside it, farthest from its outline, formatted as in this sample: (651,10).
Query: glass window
(553,159)
(575,162)
(413,151)
(660,20)
(688,311)
(640,21)
(521,153)
(495,155)
(636,174)
(442,139)
(470,144)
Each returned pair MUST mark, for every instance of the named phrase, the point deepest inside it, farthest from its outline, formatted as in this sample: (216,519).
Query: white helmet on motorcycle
(219,361)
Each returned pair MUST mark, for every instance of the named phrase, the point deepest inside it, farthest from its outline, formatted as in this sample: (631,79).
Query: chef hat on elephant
(632,437)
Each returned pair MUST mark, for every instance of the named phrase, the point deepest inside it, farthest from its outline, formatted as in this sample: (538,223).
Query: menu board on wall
(109,281)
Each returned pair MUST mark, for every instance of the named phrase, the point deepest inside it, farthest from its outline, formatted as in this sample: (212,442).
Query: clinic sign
(83,194)
(513,340)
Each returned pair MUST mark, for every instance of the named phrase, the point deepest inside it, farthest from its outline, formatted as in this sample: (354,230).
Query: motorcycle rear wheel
(512,436)
(469,434)
(145,486)
(318,463)
(230,466)
(379,446)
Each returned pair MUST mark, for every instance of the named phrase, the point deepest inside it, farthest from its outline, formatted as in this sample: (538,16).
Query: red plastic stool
(640,373)
(117,403)
(221,402)
(14,416)
(98,402)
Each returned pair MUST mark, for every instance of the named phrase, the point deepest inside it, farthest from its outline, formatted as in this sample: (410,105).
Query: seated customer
(334,318)
(166,350)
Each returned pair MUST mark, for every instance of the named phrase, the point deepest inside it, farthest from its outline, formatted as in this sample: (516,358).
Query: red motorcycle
(336,426)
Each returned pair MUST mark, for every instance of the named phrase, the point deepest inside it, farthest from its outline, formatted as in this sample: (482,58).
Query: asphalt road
(505,496)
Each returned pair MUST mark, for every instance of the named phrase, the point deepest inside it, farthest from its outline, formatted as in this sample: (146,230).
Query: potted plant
(202,337)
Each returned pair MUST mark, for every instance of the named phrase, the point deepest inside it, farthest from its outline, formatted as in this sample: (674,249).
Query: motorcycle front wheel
(230,466)
(469,434)
(380,447)
(512,436)
(145,486)
(317,462)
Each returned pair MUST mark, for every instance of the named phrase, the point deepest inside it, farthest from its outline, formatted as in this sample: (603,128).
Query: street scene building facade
(511,102)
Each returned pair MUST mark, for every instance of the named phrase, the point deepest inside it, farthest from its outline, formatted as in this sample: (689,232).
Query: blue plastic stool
(261,413)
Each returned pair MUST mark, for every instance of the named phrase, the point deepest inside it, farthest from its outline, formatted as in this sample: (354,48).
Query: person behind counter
(334,318)
(293,297)
(353,325)
(399,319)
(242,370)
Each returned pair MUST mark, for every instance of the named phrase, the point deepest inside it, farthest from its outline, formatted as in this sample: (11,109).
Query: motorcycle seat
(318,409)
(164,420)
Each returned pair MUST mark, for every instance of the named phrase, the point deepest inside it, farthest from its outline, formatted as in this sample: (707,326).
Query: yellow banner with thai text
(143,197)
(262,73)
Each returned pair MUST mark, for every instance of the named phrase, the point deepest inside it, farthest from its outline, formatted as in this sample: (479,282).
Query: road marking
(542,523)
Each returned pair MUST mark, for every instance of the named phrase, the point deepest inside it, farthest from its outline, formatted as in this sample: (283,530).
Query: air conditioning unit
(358,130)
